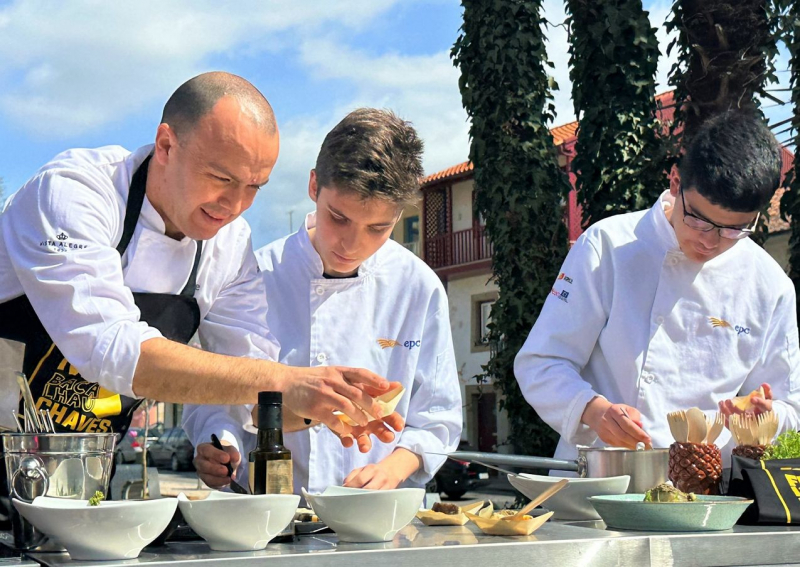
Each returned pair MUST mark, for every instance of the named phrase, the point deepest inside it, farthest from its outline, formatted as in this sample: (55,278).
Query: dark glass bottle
(270,461)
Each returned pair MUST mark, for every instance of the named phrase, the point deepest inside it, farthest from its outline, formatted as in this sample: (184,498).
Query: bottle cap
(270,398)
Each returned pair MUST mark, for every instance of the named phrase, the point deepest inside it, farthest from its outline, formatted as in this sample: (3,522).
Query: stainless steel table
(555,544)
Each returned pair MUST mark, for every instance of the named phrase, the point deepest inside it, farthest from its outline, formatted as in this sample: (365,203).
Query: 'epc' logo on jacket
(390,343)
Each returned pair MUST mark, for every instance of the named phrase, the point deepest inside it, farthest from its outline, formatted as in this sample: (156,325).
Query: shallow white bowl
(358,515)
(570,503)
(112,530)
(239,522)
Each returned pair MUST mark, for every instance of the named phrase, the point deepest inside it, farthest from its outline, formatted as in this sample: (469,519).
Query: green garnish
(786,446)
(95,500)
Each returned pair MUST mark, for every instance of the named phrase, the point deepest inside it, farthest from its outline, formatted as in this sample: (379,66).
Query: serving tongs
(34,421)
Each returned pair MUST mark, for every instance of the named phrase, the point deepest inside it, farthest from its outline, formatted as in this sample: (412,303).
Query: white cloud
(422,89)
(70,67)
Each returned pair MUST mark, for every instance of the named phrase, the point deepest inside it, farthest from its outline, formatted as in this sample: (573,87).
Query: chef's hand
(317,392)
(617,425)
(760,405)
(210,464)
(386,474)
(384,428)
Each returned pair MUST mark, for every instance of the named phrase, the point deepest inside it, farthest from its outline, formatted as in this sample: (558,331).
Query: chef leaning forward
(111,260)
(672,307)
(341,292)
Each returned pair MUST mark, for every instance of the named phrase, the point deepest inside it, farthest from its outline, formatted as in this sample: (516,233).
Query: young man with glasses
(672,307)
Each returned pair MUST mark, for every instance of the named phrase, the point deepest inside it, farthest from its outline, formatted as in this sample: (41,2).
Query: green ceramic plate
(707,514)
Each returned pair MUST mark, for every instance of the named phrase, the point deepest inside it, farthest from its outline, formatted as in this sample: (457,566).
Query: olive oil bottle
(270,461)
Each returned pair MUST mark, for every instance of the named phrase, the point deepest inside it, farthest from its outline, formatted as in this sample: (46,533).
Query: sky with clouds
(89,73)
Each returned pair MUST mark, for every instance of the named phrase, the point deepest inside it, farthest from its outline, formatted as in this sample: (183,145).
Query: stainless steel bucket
(61,465)
(646,468)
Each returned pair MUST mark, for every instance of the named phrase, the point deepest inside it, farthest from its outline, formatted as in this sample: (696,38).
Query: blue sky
(87,73)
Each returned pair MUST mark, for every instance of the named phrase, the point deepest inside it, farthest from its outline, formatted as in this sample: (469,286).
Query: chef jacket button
(648,378)
(322,357)
(320,290)
(660,320)
(673,260)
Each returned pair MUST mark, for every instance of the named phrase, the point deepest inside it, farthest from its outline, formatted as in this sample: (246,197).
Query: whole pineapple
(749,451)
(695,467)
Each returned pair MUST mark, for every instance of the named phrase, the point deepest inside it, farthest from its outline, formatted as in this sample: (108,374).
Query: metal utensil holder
(60,465)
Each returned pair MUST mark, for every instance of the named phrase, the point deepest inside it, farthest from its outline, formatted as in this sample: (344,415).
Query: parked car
(173,450)
(455,478)
(129,448)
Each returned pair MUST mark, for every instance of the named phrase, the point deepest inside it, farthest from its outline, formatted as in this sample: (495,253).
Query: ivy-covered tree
(789,13)
(519,187)
(725,54)
(619,160)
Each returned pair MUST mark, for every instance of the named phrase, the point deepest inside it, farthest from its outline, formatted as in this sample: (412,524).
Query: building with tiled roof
(447,235)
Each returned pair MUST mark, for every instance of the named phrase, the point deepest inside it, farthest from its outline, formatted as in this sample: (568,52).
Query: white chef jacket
(58,238)
(339,322)
(632,319)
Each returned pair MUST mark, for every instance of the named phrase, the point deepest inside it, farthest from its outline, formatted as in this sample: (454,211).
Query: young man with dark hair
(341,292)
(672,307)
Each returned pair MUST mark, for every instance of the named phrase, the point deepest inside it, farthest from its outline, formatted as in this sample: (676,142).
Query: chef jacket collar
(664,233)
(149,216)
(313,260)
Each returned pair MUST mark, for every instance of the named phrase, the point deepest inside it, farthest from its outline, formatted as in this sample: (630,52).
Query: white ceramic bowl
(112,530)
(570,503)
(358,515)
(239,522)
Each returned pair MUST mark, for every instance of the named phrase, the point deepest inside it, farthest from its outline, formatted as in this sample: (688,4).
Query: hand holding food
(318,392)
(756,402)
(210,464)
(383,428)
(617,425)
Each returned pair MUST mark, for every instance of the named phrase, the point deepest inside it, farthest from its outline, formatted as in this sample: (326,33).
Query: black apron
(75,404)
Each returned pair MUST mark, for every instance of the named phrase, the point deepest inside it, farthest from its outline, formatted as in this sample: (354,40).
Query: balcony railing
(457,248)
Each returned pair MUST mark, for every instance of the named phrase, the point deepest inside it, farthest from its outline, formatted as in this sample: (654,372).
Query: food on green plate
(445,508)
(786,446)
(95,500)
(668,493)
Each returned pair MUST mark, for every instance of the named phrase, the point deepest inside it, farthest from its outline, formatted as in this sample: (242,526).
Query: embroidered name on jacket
(61,244)
(739,329)
(391,343)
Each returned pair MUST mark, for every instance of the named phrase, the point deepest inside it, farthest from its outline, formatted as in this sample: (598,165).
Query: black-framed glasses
(703,225)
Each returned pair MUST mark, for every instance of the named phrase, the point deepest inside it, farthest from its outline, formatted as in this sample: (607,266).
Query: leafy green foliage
(519,187)
(619,154)
(786,446)
(788,13)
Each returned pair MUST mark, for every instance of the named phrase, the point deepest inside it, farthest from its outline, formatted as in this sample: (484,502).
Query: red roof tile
(561,134)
